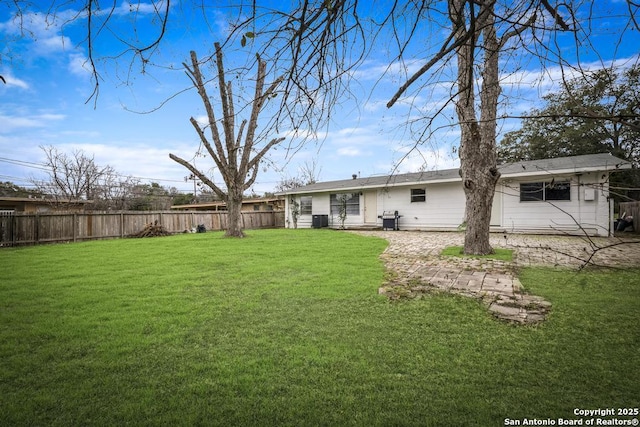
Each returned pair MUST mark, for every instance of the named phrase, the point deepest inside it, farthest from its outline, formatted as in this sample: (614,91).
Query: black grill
(390,220)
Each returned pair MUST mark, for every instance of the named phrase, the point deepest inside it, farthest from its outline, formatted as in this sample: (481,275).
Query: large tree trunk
(479,180)
(234,213)
(478,161)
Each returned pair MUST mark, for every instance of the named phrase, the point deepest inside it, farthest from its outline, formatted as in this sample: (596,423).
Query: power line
(16,179)
(24,163)
(44,167)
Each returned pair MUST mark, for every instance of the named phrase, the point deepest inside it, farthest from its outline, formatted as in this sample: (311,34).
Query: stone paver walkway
(416,267)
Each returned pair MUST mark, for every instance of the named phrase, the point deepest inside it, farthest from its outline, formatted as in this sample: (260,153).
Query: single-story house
(254,204)
(31,205)
(559,195)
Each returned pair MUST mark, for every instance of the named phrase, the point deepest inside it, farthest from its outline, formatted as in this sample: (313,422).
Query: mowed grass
(285,327)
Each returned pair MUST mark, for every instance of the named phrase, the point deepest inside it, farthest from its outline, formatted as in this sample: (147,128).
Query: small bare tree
(342,208)
(71,178)
(237,161)
(294,208)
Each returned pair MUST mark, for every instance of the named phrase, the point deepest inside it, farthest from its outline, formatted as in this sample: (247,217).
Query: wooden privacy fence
(28,229)
(632,208)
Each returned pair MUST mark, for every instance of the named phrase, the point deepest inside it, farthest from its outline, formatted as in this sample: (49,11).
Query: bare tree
(238,161)
(317,43)
(114,192)
(308,174)
(77,177)
(71,178)
(310,171)
(478,36)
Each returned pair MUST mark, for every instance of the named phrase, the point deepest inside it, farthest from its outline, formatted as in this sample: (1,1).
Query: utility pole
(193,178)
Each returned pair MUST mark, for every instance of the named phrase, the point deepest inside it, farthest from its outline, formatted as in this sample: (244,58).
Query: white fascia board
(373,187)
(571,171)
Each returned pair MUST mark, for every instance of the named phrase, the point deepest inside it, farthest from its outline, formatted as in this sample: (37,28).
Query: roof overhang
(574,171)
(44,200)
(527,169)
(363,187)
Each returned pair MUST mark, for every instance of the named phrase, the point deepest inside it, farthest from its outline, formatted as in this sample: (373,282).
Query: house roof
(219,203)
(532,168)
(43,200)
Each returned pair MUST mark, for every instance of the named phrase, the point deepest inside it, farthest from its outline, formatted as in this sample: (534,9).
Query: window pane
(352,203)
(531,191)
(305,205)
(418,195)
(558,190)
(335,205)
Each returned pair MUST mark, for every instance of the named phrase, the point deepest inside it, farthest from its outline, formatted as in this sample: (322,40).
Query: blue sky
(44,100)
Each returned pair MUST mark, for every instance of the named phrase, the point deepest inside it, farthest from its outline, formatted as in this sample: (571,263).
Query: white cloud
(526,88)
(9,123)
(12,81)
(39,26)
(139,160)
(81,133)
(395,72)
(126,8)
(79,65)
(50,117)
(349,151)
(53,44)
(355,137)
(202,120)
(414,159)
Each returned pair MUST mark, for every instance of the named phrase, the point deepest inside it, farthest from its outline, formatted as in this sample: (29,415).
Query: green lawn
(285,327)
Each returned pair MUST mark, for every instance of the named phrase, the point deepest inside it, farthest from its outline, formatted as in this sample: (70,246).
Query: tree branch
(556,15)
(196,76)
(444,51)
(201,176)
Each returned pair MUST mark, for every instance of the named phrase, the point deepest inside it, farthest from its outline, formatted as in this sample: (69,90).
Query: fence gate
(6,226)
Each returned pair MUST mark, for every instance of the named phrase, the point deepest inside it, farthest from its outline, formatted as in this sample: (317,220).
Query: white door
(370,207)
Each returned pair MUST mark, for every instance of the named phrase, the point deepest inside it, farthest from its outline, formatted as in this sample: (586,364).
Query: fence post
(14,229)
(36,230)
(75,226)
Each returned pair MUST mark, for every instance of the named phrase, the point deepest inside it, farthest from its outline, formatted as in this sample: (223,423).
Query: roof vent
(354,176)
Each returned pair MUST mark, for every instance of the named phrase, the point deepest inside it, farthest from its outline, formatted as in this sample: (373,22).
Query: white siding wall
(443,208)
(561,215)
(320,205)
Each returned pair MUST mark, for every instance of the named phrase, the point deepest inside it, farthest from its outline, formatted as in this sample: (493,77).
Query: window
(305,205)
(256,207)
(531,191)
(418,195)
(352,201)
(557,190)
(541,191)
